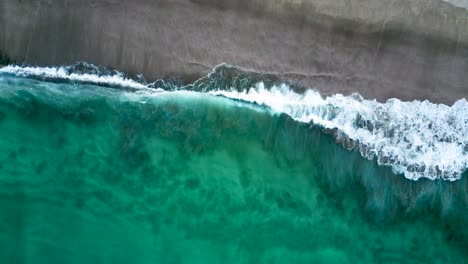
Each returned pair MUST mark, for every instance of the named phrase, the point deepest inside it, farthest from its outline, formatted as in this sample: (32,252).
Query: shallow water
(92,174)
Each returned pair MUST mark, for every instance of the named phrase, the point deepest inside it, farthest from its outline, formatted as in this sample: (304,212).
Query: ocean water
(103,169)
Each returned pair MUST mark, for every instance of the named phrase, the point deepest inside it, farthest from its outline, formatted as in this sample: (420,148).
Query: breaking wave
(417,139)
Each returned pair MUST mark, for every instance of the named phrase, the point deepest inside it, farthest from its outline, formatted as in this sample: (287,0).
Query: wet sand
(381,49)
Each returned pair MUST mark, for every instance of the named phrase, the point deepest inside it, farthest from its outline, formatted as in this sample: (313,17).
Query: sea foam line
(417,139)
(61,73)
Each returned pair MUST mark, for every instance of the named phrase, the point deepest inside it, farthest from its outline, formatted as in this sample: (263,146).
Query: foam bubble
(418,139)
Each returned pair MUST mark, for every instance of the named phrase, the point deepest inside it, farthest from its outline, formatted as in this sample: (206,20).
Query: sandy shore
(381,49)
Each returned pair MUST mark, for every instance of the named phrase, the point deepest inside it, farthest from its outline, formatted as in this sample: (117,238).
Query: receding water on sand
(102,175)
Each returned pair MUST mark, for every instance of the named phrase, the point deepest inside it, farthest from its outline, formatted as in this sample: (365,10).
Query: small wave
(417,139)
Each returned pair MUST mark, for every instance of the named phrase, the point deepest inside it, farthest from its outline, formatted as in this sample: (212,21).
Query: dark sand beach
(381,49)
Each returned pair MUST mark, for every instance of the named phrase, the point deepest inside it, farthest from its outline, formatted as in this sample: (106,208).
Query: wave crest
(417,139)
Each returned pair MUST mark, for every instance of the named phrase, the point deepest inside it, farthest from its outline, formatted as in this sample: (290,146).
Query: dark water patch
(2,116)
(227,77)
(87,68)
(5,60)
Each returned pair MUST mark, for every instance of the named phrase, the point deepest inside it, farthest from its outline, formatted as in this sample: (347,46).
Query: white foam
(61,73)
(418,139)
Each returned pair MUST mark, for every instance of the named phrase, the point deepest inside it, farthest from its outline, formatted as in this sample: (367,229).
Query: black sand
(380,49)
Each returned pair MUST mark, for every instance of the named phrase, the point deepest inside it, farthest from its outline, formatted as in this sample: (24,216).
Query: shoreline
(187,39)
(230,77)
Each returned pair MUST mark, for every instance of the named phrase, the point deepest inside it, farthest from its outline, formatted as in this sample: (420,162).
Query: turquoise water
(93,174)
